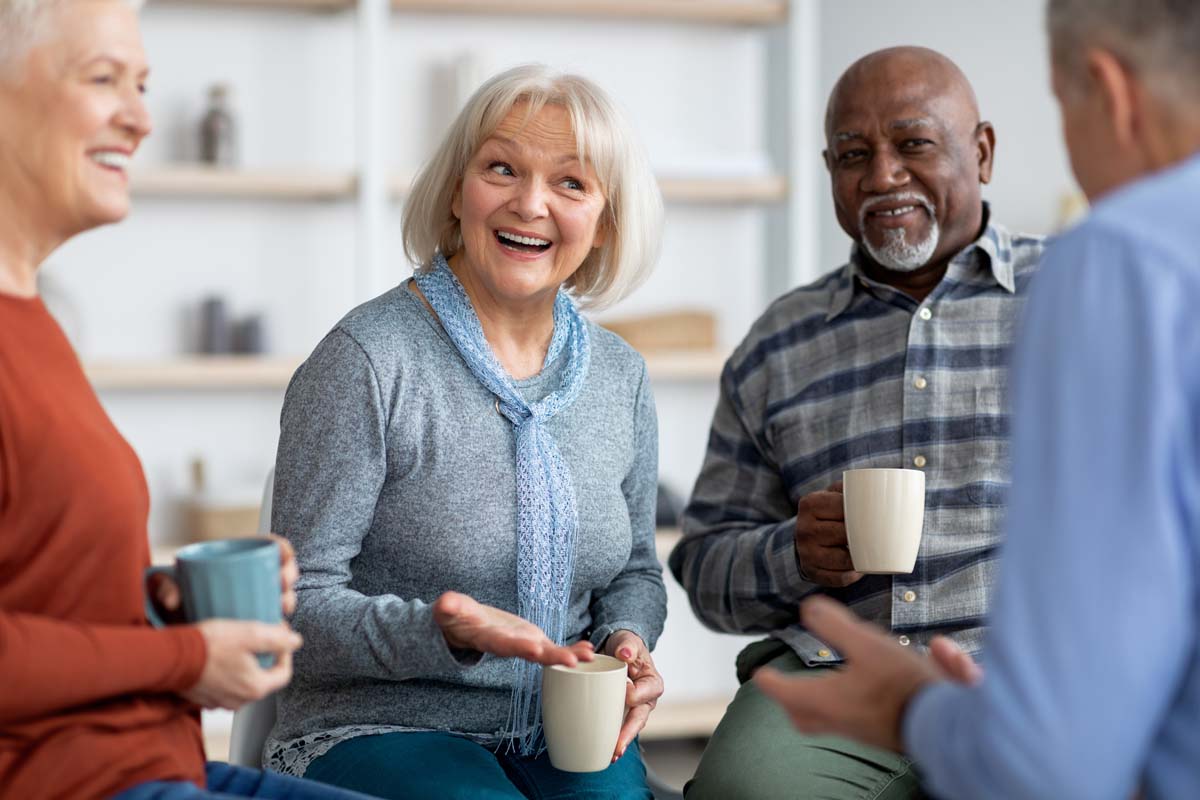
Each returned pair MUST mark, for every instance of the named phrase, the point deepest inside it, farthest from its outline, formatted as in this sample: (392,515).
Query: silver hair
(1153,37)
(633,214)
(22,26)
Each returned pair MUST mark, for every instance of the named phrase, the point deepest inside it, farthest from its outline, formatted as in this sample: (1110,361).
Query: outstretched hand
(865,700)
(470,625)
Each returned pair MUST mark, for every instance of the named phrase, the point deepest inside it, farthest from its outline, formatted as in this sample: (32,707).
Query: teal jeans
(442,766)
(756,754)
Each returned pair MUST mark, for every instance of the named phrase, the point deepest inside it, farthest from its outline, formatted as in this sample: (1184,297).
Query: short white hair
(1158,38)
(633,212)
(22,26)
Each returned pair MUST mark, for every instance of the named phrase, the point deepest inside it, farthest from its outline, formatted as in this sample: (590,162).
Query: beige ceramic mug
(582,711)
(885,511)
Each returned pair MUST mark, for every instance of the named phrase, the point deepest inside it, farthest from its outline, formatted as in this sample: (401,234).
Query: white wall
(1001,48)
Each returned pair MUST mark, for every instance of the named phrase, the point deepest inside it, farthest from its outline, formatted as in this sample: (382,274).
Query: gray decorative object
(218,130)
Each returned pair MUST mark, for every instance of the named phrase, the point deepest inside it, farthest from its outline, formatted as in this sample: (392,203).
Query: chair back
(252,723)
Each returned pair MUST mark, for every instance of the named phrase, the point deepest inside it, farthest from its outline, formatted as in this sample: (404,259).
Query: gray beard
(898,255)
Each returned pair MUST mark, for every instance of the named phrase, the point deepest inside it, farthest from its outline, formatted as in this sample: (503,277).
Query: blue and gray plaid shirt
(847,373)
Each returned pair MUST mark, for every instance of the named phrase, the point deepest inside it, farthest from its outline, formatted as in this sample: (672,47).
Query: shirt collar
(995,243)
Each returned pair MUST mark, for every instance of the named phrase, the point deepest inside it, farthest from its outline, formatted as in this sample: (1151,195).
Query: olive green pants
(756,754)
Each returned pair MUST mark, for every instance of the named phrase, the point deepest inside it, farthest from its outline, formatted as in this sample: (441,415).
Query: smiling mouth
(111,160)
(522,244)
(893,212)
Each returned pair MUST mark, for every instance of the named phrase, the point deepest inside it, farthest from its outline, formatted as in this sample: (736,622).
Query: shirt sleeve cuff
(790,575)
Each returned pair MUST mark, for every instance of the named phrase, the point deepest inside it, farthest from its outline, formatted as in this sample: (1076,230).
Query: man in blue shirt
(1091,675)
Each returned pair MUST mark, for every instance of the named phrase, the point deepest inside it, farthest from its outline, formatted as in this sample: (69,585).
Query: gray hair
(633,211)
(22,26)
(1153,37)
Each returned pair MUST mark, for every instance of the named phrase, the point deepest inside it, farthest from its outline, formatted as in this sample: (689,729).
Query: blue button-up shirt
(1092,662)
(848,373)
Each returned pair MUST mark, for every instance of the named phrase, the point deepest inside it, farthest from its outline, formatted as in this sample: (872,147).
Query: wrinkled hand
(470,625)
(644,689)
(954,664)
(820,536)
(865,700)
(232,675)
(166,592)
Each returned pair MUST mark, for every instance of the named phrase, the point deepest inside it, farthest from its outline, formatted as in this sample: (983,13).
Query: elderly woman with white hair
(95,703)
(467,467)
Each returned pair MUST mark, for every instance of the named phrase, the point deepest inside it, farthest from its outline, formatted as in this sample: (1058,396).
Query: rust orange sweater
(88,690)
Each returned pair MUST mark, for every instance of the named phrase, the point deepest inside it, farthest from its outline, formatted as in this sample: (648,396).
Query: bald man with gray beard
(898,358)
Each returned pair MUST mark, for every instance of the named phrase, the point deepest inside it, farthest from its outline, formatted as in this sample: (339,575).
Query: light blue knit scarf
(547,518)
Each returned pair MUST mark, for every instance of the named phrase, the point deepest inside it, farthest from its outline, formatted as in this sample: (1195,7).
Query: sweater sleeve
(636,599)
(329,472)
(48,665)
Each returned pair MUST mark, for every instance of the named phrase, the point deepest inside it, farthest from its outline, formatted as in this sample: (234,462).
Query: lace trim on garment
(294,756)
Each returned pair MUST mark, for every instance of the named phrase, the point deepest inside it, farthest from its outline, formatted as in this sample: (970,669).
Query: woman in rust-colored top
(93,701)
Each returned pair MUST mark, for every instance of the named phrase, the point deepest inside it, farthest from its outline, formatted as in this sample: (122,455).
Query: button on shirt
(849,373)
(1091,693)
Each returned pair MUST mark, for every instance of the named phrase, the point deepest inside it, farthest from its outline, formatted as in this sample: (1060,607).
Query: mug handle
(151,612)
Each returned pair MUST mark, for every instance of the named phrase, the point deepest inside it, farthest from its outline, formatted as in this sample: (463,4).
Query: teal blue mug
(227,579)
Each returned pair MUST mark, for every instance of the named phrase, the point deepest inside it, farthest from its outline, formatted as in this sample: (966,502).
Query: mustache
(896,197)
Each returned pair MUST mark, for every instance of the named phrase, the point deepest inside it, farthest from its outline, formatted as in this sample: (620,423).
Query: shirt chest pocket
(989,472)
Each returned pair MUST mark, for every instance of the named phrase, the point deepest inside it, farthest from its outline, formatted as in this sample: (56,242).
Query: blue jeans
(226,780)
(442,766)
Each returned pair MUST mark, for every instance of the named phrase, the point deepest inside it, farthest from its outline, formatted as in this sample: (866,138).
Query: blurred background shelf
(218,373)
(748,190)
(686,365)
(192,181)
(194,373)
(726,12)
(294,5)
(722,12)
(760,189)
(196,181)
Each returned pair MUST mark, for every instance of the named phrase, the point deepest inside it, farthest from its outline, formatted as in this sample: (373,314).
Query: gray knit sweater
(395,482)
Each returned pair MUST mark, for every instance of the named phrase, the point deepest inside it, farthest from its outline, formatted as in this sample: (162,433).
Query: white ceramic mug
(885,511)
(582,711)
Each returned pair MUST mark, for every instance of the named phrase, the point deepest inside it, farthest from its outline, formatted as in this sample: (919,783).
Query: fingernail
(625,652)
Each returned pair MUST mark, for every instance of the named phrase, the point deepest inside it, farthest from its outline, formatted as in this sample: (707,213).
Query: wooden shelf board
(729,12)
(214,373)
(689,365)
(723,12)
(188,180)
(685,718)
(665,540)
(760,189)
(757,189)
(199,372)
(293,5)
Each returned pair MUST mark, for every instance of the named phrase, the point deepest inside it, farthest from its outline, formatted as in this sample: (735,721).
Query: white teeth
(110,158)
(895,212)
(512,237)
